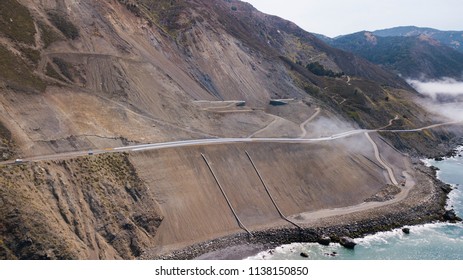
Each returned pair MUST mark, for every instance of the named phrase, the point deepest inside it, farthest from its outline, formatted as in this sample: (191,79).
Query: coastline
(425,203)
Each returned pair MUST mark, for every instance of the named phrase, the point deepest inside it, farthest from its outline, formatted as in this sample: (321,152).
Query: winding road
(275,120)
(302,126)
(378,158)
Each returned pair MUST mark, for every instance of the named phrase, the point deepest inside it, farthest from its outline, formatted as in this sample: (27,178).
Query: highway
(423,128)
(213,141)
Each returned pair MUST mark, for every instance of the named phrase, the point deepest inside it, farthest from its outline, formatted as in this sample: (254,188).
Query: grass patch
(16,22)
(16,74)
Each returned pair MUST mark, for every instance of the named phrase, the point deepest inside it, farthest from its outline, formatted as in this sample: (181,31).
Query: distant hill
(410,56)
(453,39)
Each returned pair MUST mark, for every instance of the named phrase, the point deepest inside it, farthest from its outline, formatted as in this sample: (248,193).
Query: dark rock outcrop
(304,255)
(451,216)
(324,240)
(406,230)
(446,188)
(347,242)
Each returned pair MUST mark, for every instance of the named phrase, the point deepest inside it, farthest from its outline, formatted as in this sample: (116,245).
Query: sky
(340,17)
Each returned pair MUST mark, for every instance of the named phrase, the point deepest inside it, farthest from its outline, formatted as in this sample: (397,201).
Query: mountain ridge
(450,38)
(415,57)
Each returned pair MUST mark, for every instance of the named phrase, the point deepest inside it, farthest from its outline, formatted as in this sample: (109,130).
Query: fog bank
(435,88)
(445,97)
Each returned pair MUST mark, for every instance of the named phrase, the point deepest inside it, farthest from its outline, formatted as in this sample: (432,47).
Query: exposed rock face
(447,188)
(451,216)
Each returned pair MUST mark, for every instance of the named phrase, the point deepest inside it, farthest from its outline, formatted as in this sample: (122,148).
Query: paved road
(212,141)
(421,129)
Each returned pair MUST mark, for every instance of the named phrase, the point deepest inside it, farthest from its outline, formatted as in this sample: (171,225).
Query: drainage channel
(240,224)
(270,195)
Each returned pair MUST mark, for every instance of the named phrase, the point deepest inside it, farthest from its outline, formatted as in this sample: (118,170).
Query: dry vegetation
(75,209)
(16,22)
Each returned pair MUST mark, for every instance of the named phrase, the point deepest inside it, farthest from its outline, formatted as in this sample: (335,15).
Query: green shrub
(319,70)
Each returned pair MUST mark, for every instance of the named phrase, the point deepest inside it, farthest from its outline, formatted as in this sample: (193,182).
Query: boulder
(304,255)
(324,240)
(347,242)
(406,230)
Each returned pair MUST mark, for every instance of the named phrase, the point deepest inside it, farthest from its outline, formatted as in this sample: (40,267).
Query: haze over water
(439,241)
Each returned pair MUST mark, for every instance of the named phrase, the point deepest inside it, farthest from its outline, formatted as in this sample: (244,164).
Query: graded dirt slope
(301,178)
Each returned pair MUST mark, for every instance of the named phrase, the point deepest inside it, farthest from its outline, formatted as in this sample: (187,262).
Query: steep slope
(84,75)
(298,176)
(149,60)
(88,208)
(412,56)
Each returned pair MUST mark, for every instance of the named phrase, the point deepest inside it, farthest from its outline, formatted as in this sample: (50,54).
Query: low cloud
(445,97)
(446,87)
(451,111)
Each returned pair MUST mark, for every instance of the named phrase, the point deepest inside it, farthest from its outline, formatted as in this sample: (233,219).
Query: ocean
(437,241)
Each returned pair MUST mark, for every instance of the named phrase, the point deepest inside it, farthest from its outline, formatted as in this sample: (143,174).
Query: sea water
(437,241)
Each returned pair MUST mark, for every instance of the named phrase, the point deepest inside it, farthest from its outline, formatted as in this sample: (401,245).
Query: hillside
(82,81)
(453,39)
(416,57)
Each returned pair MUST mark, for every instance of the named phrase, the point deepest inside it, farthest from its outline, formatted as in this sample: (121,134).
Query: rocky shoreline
(424,204)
